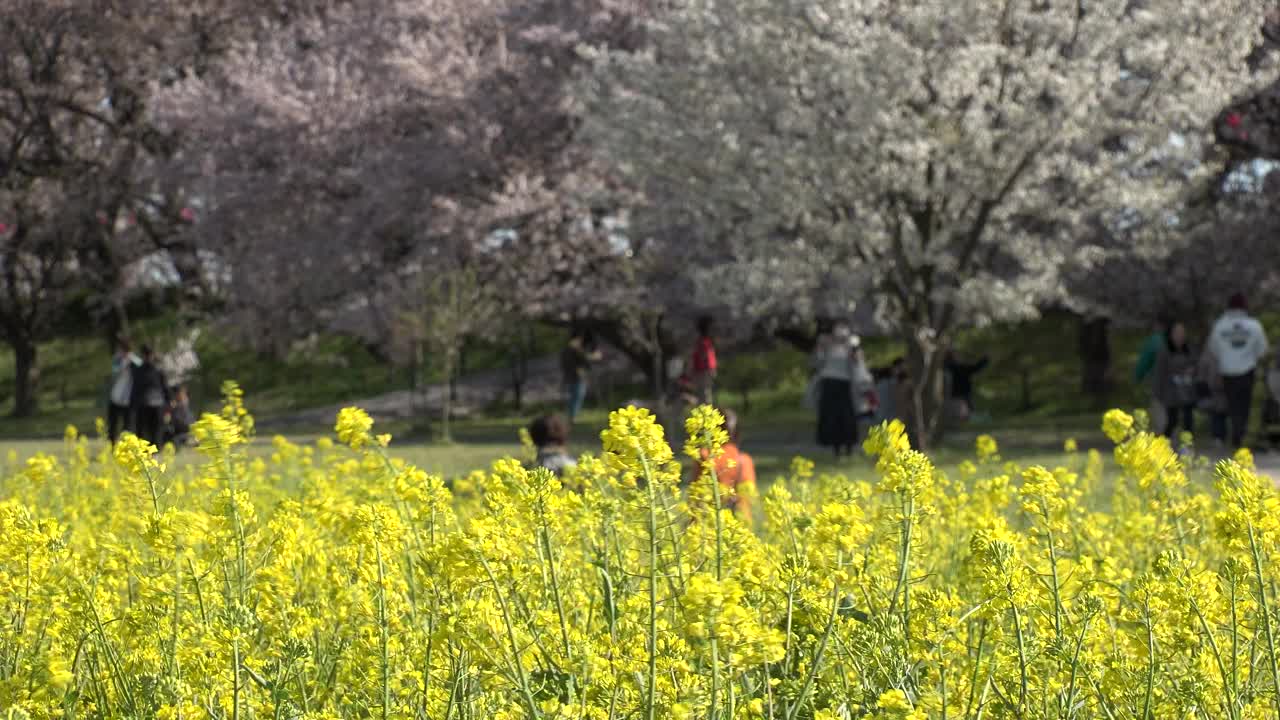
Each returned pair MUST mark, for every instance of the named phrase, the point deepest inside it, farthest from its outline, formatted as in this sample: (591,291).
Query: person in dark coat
(961,374)
(575,366)
(1175,380)
(149,399)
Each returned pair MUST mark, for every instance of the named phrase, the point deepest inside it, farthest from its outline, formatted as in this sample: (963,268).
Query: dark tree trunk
(517,387)
(117,325)
(658,371)
(25,379)
(458,366)
(1095,358)
(415,376)
(926,414)
(448,397)
(520,365)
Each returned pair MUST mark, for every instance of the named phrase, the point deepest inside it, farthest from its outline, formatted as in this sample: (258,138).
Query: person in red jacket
(702,367)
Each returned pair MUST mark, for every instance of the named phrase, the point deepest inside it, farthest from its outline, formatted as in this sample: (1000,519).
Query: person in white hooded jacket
(1238,343)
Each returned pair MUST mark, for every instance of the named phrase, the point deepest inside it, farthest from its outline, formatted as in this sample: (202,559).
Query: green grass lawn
(772,441)
(765,387)
(1029,396)
(73,376)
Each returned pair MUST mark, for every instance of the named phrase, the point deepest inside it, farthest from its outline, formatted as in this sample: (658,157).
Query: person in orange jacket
(736,472)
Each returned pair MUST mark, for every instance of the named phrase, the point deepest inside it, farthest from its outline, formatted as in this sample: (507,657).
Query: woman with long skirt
(841,379)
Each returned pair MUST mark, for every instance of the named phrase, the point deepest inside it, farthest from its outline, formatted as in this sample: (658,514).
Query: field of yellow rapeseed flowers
(334,581)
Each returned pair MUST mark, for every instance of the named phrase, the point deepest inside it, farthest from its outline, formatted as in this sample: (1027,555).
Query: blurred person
(550,436)
(149,398)
(883,378)
(866,401)
(1151,348)
(579,354)
(179,418)
(119,418)
(841,383)
(961,375)
(1174,381)
(735,471)
(1147,363)
(703,364)
(1238,343)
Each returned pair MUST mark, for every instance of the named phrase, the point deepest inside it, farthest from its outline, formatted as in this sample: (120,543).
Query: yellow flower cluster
(322,582)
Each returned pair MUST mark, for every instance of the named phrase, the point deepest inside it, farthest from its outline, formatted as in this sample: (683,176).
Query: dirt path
(1268,464)
(475,392)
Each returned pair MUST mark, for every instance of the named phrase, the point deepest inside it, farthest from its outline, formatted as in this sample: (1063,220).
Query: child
(550,435)
(736,472)
(179,418)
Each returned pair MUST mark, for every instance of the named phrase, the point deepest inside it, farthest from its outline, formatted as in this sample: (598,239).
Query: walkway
(475,393)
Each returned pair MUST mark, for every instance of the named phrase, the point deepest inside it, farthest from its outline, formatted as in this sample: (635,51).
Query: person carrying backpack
(149,398)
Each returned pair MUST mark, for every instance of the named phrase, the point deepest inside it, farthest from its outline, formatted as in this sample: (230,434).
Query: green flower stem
(1264,605)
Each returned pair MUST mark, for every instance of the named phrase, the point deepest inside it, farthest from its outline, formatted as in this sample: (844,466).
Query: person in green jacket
(1150,351)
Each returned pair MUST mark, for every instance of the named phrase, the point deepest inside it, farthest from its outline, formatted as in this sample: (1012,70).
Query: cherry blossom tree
(71,133)
(942,153)
(1223,246)
(78,181)
(345,145)
(1249,128)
